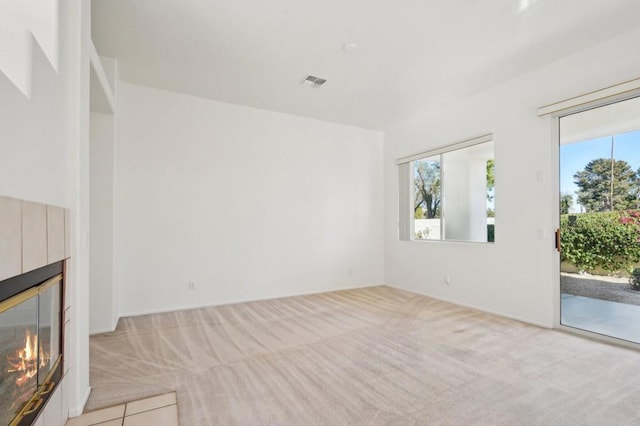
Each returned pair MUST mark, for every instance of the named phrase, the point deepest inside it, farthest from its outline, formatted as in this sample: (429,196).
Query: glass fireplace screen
(30,348)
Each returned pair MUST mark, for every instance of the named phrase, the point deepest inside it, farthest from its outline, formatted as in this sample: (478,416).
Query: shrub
(422,235)
(608,240)
(418,213)
(634,280)
(491,233)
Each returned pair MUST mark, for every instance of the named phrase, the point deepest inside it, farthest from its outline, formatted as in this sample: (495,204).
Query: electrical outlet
(192,285)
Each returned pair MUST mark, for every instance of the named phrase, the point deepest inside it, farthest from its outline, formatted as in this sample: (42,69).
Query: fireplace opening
(31,345)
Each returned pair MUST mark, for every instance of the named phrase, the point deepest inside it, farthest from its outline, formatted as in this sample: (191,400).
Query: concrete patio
(620,320)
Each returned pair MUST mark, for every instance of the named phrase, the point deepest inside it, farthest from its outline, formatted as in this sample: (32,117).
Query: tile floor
(160,410)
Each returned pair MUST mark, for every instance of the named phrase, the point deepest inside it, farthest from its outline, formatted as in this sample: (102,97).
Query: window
(448,193)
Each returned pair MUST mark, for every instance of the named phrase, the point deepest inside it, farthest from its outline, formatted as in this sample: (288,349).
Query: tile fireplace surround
(33,235)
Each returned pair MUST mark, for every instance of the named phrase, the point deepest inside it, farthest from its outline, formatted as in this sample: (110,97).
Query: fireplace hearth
(31,342)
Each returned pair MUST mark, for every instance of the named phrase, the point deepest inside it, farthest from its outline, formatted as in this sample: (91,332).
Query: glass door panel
(600,220)
(18,355)
(49,329)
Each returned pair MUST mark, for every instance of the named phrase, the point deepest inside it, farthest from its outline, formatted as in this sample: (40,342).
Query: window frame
(406,222)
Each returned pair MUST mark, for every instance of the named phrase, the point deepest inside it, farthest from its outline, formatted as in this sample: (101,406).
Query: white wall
(33,139)
(514,276)
(103,294)
(77,38)
(246,203)
(42,144)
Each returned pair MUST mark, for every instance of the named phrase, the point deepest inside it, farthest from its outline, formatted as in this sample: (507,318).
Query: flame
(28,359)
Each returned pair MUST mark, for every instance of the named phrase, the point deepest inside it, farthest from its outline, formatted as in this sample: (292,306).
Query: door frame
(555,183)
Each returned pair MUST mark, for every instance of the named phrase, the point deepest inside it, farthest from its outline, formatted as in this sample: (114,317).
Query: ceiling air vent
(313,81)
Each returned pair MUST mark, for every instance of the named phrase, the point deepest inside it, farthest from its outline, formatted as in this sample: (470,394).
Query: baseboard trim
(236,301)
(102,330)
(76,411)
(477,308)
(106,330)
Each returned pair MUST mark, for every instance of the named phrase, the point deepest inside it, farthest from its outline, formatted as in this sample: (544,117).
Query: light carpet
(374,356)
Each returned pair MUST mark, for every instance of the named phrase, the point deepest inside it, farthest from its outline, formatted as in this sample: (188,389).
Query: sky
(575,156)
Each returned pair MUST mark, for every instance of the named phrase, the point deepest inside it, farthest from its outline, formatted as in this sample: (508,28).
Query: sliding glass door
(600,220)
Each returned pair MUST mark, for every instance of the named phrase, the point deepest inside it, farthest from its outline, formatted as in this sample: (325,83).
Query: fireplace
(31,342)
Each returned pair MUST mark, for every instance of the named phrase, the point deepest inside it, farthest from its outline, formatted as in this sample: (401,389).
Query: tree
(597,186)
(491,179)
(426,183)
(566,200)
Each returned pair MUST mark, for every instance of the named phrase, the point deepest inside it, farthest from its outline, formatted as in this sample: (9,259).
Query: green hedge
(607,240)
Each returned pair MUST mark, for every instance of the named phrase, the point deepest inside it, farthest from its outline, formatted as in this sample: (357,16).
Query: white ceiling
(411,53)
